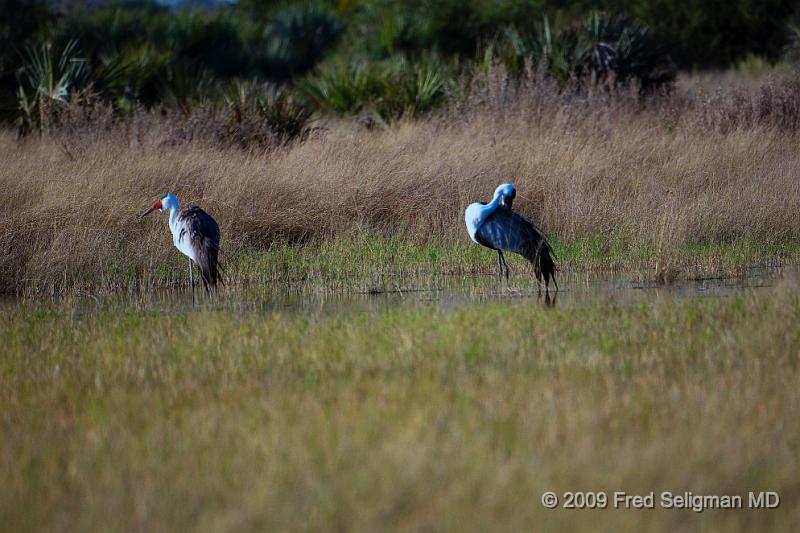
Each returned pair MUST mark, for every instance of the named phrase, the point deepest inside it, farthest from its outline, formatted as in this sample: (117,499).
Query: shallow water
(446,291)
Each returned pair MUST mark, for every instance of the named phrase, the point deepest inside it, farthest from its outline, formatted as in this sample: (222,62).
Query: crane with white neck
(196,234)
(495,226)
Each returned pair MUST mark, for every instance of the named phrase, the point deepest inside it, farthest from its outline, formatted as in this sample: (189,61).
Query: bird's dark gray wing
(506,230)
(200,225)
(204,236)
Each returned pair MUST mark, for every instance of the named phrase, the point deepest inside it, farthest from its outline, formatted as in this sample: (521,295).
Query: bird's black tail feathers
(210,269)
(542,259)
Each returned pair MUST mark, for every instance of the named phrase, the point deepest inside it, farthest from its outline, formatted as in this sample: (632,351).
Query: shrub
(600,49)
(47,81)
(387,89)
(296,38)
(792,51)
(265,108)
(341,87)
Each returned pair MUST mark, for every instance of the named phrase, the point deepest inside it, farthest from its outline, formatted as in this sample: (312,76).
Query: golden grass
(659,177)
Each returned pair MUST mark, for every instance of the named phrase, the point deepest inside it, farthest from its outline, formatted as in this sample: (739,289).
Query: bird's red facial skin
(157,204)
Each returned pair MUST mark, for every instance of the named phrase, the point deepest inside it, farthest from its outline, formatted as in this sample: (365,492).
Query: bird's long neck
(173,215)
(476,214)
(489,208)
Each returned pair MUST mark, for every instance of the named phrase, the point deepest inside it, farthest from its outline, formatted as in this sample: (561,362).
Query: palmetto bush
(186,84)
(46,82)
(341,87)
(386,89)
(599,49)
(245,114)
(615,46)
(410,89)
(52,80)
(287,118)
(264,113)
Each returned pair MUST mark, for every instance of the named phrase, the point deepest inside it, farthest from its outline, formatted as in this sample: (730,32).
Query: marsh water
(575,289)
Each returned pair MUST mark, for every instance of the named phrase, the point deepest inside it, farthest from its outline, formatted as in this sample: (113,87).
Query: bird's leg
(503,258)
(191,280)
(499,263)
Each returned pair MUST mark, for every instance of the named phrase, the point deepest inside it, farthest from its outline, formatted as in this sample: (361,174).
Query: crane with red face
(196,234)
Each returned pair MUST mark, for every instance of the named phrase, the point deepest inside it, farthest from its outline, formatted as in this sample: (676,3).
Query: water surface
(575,289)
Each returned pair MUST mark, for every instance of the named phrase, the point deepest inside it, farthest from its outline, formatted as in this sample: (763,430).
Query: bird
(495,226)
(507,194)
(196,234)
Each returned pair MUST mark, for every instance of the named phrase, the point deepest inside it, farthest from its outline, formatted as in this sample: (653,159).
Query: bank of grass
(368,261)
(371,262)
(410,418)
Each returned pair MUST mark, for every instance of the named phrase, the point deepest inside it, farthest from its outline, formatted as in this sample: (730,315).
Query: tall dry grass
(686,167)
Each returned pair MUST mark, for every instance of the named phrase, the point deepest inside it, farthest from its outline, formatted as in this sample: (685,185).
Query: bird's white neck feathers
(171,202)
(476,213)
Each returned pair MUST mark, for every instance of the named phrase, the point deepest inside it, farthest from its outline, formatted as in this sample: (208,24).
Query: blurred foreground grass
(412,418)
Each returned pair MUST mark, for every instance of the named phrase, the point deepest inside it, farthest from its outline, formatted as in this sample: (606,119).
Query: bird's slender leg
(500,263)
(503,259)
(191,280)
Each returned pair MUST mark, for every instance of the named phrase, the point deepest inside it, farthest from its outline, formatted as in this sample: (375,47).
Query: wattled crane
(495,226)
(196,234)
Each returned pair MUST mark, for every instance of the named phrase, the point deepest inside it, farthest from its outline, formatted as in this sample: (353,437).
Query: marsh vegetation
(676,182)
(405,417)
(338,146)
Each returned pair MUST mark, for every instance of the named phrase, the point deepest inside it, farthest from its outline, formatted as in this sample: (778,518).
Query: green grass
(409,418)
(369,261)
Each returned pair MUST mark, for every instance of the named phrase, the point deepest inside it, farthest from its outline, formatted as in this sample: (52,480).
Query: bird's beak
(156,205)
